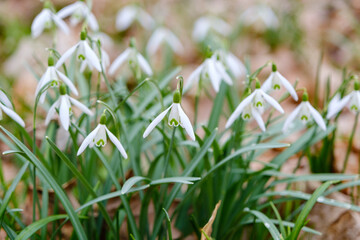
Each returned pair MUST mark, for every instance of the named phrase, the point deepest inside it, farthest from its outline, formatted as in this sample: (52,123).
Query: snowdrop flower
(304,112)
(276,80)
(64,105)
(252,106)
(6,106)
(127,15)
(352,101)
(260,13)
(105,59)
(83,52)
(54,77)
(79,11)
(98,138)
(212,68)
(46,19)
(161,35)
(177,117)
(204,24)
(233,63)
(134,58)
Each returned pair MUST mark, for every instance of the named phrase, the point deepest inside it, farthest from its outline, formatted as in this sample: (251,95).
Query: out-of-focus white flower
(253,106)
(212,68)
(260,13)
(304,112)
(177,117)
(203,25)
(83,53)
(127,15)
(64,106)
(105,59)
(162,35)
(276,80)
(233,63)
(46,19)
(79,11)
(55,77)
(134,58)
(352,101)
(6,106)
(98,138)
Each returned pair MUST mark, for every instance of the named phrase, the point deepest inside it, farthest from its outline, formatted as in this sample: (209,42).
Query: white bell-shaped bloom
(233,63)
(305,112)
(6,106)
(46,19)
(204,24)
(134,58)
(213,69)
(352,101)
(177,117)
(127,15)
(98,138)
(79,11)
(255,101)
(276,80)
(83,53)
(63,104)
(160,36)
(259,14)
(55,77)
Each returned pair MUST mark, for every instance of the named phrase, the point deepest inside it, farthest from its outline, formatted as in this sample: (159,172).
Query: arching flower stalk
(98,138)
(54,77)
(83,52)
(63,104)
(305,112)
(276,80)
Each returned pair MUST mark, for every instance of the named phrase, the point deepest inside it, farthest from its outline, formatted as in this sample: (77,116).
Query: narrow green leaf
(267,223)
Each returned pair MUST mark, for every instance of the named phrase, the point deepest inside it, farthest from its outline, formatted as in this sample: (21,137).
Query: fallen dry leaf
(207,229)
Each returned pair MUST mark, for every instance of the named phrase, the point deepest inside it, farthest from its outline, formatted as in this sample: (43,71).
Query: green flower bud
(274,68)
(50,61)
(177,97)
(305,97)
(257,84)
(83,35)
(209,52)
(62,89)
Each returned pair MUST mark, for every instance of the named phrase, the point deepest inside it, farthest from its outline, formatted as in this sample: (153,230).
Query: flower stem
(169,151)
(350,143)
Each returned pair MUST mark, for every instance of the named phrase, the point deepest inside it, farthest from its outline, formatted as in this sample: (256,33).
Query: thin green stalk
(350,143)
(169,152)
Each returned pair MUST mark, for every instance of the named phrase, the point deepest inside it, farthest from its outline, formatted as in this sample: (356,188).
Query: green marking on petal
(173,122)
(247,116)
(54,83)
(304,117)
(276,86)
(354,107)
(259,104)
(101,142)
(81,57)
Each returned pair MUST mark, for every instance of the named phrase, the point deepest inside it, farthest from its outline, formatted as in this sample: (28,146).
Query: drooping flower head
(79,11)
(54,77)
(305,113)
(177,117)
(127,15)
(163,35)
(204,25)
(63,105)
(211,69)
(253,106)
(134,58)
(352,101)
(233,63)
(275,81)
(98,138)
(83,53)
(259,15)
(6,106)
(47,19)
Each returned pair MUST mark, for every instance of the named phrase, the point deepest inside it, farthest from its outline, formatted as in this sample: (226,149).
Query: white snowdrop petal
(235,65)
(38,25)
(214,76)
(81,106)
(5,100)
(317,117)
(116,142)
(88,140)
(145,20)
(288,86)
(291,117)
(68,82)
(185,122)
(144,65)
(64,112)
(258,119)
(125,17)
(155,122)
(91,57)
(272,102)
(174,42)
(155,41)
(221,26)
(336,105)
(239,110)
(221,70)
(93,24)
(201,28)
(66,55)
(68,10)
(60,23)
(194,77)
(12,114)
(266,86)
(51,112)
(119,61)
